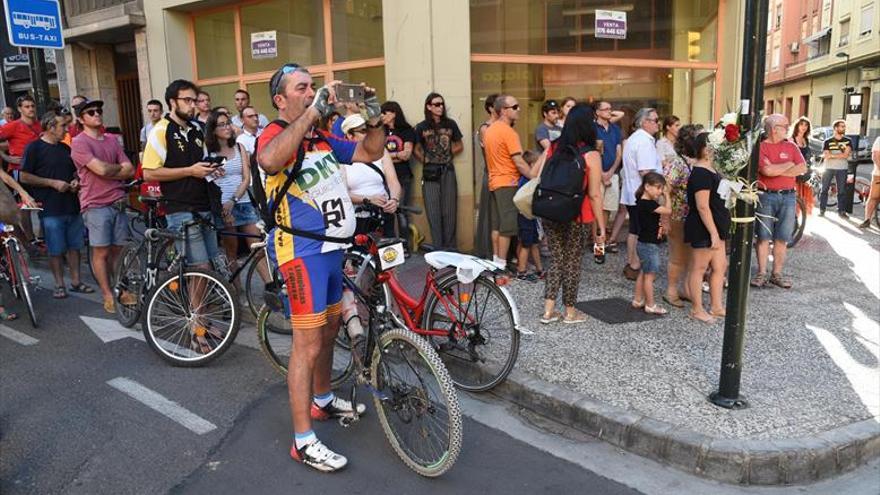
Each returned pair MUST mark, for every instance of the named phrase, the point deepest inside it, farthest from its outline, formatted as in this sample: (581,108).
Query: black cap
(549,105)
(79,109)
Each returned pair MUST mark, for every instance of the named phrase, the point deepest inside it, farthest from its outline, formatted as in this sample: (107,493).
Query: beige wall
(427,48)
(167,44)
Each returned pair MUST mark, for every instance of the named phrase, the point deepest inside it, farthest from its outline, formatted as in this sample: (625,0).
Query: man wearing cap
(548,130)
(102,167)
(317,203)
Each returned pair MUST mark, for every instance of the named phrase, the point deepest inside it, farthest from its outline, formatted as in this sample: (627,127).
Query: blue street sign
(34,23)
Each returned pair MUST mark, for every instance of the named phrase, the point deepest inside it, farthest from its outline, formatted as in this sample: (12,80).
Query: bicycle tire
(23,282)
(129,275)
(862,189)
(176,346)
(400,404)
(254,296)
(488,352)
(278,347)
(832,195)
(800,222)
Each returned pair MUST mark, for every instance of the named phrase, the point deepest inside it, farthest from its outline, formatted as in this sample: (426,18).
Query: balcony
(102,21)
(75,8)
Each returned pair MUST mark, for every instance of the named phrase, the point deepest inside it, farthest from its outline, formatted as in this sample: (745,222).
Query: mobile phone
(216,160)
(350,93)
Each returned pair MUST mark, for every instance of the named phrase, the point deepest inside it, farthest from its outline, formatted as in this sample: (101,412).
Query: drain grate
(614,310)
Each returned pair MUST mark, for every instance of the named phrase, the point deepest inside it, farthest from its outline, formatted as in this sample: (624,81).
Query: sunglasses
(437,104)
(284,70)
(94,111)
(515,107)
(359,130)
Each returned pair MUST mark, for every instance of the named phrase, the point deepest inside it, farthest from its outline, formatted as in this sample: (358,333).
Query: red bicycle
(15,271)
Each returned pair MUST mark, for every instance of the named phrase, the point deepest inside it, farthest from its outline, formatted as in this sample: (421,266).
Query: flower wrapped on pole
(732,145)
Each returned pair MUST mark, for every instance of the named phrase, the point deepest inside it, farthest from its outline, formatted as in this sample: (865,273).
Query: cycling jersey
(317,200)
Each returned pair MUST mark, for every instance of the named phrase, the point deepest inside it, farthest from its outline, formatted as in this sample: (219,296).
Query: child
(650,236)
(529,241)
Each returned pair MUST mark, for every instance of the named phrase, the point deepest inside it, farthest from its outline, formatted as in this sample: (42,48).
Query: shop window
(223,95)
(655,28)
(299,30)
(215,45)
(357,29)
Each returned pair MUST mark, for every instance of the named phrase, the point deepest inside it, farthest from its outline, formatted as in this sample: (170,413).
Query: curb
(748,462)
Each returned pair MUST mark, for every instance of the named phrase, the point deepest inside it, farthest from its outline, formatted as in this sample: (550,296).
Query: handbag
(432,172)
(524,196)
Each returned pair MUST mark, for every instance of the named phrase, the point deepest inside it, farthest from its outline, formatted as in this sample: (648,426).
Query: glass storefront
(353,50)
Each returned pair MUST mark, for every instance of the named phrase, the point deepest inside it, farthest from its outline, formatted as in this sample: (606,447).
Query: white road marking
(109,330)
(160,404)
(16,336)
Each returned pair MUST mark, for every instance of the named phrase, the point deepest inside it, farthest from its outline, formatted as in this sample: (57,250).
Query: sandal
(611,247)
(656,310)
(759,280)
(551,318)
(721,313)
(577,317)
(7,315)
(81,288)
(60,292)
(636,304)
(677,302)
(780,281)
(709,319)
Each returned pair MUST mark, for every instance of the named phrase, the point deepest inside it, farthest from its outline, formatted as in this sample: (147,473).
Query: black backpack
(258,194)
(561,192)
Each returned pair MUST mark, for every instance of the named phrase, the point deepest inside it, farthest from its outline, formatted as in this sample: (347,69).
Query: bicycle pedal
(347,421)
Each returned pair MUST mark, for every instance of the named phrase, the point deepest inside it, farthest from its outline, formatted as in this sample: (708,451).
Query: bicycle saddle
(467,267)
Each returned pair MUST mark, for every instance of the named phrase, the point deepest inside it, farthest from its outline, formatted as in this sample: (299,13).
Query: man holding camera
(102,166)
(314,214)
(175,156)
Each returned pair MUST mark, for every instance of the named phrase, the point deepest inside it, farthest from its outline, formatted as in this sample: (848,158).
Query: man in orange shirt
(505,164)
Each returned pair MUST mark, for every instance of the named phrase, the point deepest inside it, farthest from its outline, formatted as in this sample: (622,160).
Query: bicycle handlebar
(156,234)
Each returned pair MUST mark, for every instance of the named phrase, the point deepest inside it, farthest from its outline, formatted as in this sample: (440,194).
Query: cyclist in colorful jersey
(317,204)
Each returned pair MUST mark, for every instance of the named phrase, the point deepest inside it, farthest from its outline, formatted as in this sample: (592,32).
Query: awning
(818,35)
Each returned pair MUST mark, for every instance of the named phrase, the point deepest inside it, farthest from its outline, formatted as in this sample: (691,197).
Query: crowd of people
(657,173)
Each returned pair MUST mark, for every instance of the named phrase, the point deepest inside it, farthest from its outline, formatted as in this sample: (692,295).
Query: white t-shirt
(639,154)
(145,131)
(249,142)
(363,180)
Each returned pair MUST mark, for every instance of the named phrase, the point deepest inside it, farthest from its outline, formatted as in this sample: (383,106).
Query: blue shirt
(337,128)
(610,139)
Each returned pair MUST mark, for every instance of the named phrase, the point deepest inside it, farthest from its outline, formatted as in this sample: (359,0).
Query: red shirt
(19,136)
(586,215)
(774,154)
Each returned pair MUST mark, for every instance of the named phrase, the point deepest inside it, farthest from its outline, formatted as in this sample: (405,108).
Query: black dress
(694,231)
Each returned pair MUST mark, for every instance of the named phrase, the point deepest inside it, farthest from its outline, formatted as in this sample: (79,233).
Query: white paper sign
(611,24)
(264,44)
(725,187)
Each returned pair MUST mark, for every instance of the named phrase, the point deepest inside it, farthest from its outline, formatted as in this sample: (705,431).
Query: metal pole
(845,86)
(39,79)
(752,94)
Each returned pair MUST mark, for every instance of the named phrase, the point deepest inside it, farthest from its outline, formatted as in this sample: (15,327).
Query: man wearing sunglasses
(317,203)
(102,167)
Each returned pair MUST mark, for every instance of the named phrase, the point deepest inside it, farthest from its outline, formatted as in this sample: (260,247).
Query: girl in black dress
(706,229)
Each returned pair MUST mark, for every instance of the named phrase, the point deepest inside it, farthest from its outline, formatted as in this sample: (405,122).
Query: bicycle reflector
(361,240)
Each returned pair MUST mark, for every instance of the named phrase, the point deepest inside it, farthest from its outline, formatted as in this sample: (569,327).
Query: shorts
(875,188)
(527,231)
(649,256)
(242,214)
(503,211)
(63,233)
(107,226)
(202,240)
(314,288)
(633,212)
(611,200)
(775,216)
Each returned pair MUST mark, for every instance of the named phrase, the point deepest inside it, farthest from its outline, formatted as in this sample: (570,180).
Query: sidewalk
(811,368)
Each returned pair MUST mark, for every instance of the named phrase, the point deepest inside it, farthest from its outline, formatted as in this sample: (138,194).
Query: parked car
(820,134)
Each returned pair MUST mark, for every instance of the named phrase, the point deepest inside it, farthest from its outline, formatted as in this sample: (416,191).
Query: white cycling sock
(323,400)
(303,439)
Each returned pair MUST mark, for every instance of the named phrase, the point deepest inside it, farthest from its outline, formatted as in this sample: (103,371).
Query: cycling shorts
(314,288)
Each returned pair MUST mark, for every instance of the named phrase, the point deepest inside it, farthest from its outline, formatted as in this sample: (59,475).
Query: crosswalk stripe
(160,404)
(16,336)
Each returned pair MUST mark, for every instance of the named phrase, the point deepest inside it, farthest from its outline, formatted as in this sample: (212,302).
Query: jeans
(839,177)
(776,212)
(202,240)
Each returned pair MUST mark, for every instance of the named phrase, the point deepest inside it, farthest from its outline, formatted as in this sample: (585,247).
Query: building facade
(821,54)
(680,56)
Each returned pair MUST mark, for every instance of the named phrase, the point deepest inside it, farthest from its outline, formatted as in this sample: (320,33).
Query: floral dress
(677,171)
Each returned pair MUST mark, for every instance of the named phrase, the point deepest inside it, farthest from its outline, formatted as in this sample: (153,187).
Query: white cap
(352,122)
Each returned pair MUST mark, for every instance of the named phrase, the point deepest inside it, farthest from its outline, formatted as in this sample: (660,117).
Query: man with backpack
(311,222)
(506,166)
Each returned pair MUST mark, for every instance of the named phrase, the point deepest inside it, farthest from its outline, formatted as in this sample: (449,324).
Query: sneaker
(318,456)
(528,277)
(337,408)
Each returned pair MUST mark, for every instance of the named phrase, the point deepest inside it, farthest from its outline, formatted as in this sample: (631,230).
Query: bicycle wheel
(416,402)
(482,343)
(862,189)
(278,346)
(130,270)
(832,194)
(19,266)
(254,289)
(191,320)
(800,222)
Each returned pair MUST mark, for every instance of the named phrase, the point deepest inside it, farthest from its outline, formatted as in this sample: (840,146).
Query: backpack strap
(381,174)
